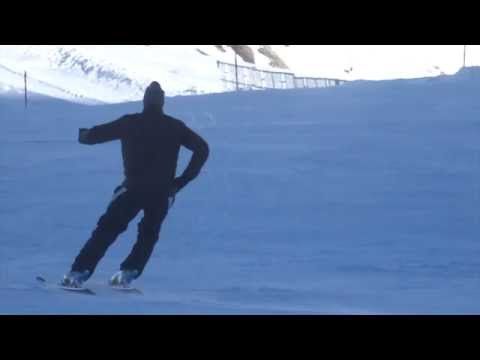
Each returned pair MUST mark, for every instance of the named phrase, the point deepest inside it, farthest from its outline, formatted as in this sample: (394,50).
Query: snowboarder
(151,143)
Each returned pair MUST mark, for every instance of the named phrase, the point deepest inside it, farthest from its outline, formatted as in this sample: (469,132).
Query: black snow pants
(123,208)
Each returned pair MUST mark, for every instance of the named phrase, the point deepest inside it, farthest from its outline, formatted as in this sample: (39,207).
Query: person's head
(154,97)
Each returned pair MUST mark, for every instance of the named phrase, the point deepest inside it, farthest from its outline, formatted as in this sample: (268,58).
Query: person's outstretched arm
(195,143)
(103,133)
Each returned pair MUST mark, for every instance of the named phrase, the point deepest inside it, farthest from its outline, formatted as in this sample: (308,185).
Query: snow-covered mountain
(104,73)
(120,73)
(117,73)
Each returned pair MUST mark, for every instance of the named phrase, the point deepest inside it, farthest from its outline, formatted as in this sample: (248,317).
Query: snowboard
(82,290)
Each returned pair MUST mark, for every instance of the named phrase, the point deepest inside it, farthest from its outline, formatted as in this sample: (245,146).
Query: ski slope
(360,199)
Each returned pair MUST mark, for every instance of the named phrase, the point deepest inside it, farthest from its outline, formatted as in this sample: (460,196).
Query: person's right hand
(174,189)
(82,135)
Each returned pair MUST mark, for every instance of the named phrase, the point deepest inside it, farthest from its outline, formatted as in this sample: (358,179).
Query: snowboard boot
(123,278)
(75,279)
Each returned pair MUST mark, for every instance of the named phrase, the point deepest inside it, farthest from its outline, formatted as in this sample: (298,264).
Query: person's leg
(123,208)
(148,234)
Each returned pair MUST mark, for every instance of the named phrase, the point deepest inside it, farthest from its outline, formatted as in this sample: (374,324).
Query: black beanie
(154,96)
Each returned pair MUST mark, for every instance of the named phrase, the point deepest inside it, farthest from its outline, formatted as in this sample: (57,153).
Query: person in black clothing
(151,143)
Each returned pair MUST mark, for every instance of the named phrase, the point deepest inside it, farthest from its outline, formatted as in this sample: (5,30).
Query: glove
(82,136)
(178,184)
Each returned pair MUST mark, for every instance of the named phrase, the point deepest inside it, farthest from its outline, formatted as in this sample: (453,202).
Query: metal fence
(250,78)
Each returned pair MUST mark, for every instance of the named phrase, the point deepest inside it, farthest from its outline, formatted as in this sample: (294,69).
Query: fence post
(25,84)
(236,71)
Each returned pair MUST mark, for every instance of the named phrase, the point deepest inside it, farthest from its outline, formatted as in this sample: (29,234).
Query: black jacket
(150,146)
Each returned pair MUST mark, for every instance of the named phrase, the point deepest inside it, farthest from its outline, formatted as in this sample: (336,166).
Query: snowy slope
(352,200)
